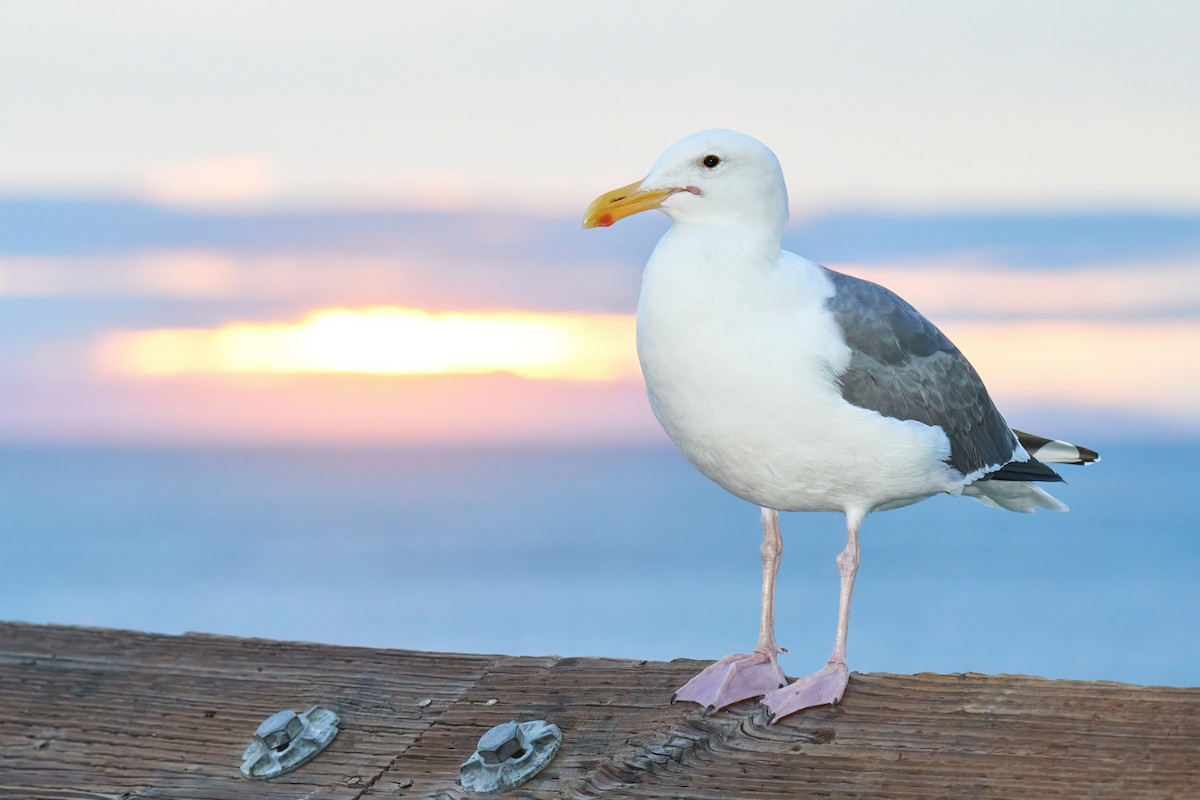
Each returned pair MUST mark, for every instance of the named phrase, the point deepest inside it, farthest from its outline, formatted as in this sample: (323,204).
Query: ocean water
(607,551)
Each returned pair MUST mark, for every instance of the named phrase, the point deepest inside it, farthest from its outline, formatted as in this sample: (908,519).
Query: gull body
(798,388)
(741,369)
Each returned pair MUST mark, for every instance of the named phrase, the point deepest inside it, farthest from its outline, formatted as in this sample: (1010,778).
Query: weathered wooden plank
(113,713)
(932,736)
(90,714)
(600,704)
(894,737)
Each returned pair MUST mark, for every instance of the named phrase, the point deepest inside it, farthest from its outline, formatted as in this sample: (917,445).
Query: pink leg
(826,686)
(745,675)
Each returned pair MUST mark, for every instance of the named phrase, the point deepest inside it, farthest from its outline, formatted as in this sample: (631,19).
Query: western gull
(798,388)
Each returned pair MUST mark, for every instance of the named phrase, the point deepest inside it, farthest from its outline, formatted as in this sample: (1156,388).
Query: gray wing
(902,366)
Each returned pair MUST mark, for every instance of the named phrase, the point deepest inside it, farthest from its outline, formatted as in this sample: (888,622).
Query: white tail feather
(1056,452)
(1020,496)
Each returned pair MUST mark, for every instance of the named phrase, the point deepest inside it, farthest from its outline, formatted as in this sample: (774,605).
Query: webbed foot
(733,678)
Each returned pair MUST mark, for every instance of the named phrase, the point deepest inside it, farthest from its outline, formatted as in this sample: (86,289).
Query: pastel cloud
(1114,289)
(209,181)
(326,408)
(962,289)
(1116,339)
(1137,367)
(421,279)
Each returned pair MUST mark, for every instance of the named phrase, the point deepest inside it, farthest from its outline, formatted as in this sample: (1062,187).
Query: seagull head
(716,177)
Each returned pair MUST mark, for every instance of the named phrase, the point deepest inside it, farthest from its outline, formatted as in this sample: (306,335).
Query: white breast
(740,366)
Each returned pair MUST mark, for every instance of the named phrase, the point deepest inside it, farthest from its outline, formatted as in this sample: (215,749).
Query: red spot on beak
(604,220)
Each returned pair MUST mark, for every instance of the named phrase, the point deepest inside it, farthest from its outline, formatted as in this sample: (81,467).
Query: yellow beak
(620,203)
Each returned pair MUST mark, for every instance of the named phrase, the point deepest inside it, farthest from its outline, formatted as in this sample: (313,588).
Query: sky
(277,222)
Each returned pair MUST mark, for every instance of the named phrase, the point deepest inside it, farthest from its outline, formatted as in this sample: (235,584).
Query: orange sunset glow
(1066,362)
(389,340)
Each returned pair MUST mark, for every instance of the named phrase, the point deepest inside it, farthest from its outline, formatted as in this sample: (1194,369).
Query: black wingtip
(1031,470)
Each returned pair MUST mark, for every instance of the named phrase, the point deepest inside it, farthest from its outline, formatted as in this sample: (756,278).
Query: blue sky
(1026,175)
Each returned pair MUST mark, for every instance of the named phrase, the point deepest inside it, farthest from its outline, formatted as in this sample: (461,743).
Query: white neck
(708,247)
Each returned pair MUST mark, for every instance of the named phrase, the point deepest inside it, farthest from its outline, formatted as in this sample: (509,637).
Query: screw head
(286,740)
(501,743)
(280,729)
(508,755)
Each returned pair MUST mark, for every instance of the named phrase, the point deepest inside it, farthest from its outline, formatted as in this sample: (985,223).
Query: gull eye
(711,161)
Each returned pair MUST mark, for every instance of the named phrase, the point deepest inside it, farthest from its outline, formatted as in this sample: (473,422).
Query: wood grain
(88,713)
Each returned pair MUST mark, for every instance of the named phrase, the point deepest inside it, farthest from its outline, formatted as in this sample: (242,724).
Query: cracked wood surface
(87,713)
